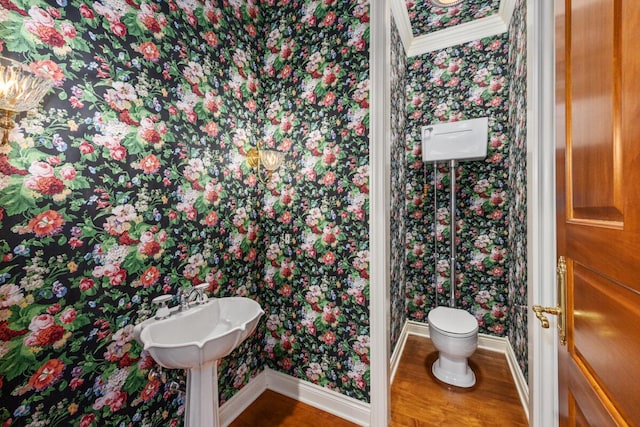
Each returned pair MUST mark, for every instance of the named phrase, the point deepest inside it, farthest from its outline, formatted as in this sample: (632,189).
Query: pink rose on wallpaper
(498,328)
(86,284)
(45,335)
(114,399)
(118,152)
(118,28)
(329,75)
(211,129)
(328,258)
(68,316)
(86,147)
(39,17)
(329,338)
(148,18)
(42,321)
(68,173)
(328,20)
(41,169)
(86,12)
(118,277)
(68,30)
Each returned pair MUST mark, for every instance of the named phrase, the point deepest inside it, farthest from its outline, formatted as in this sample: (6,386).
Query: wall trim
(541,211)
(311,394)
(495,24)
(403,24)
(397,352)
(521,383)
(485,342)
(379,213)
(320,397)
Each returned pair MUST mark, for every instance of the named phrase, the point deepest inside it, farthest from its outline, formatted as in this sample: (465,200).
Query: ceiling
(424,27)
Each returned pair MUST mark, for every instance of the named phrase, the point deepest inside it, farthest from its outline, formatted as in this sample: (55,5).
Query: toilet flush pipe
(452,231)
(435,231)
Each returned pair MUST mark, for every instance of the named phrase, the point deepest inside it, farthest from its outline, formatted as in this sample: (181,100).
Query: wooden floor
(272,409)
(417,398)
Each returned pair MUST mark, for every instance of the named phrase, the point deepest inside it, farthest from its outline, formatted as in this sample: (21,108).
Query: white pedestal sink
(195,340)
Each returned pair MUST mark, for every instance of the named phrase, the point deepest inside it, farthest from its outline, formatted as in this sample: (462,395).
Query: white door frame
(541,211)
(541,248)
(379,211)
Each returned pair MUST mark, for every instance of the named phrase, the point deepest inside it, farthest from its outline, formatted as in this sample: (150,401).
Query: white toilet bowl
(454,333)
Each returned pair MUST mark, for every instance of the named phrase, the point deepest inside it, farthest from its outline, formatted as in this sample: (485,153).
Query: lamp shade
(445,3)
(271,159)
(21,89)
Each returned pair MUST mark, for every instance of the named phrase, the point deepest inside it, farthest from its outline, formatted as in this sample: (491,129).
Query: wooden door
(598,205)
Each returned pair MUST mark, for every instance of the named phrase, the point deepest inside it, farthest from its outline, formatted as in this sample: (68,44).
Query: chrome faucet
(185,296)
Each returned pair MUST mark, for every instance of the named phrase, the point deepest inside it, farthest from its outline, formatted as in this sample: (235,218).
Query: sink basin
(194,340)
(200,335)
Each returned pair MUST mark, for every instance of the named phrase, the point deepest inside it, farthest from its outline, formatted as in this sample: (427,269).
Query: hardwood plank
(419,399)
(273,409)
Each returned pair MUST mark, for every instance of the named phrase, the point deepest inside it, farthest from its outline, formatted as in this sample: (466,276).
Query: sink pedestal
(202,396)
(196,339)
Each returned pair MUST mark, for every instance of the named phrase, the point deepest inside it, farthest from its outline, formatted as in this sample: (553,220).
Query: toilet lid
(452,320)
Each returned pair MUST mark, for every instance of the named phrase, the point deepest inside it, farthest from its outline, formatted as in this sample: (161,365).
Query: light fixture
(445,3)
(21,89)
(270,160)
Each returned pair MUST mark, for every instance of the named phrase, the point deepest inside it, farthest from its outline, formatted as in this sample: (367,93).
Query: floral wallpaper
(131,182)
(315,213)
(517,324)
(460,82)
(398,181)
(426,18)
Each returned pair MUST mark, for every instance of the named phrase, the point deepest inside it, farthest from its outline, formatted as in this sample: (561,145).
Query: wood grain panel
(592,417)
(598,202)
(605,314)
(620,263)
(593,145)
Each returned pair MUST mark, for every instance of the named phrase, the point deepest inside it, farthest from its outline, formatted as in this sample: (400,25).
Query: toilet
(454,333)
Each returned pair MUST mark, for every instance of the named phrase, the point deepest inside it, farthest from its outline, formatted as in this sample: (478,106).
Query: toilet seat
(453,322)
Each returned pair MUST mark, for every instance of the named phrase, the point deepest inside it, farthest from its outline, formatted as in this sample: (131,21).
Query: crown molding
(403,24)
(495,24)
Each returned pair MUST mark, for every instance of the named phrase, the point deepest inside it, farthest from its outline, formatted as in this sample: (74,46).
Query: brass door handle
(560,310)
(538,310)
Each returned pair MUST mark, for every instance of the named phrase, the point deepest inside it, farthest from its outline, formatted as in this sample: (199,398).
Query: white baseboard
(397,352)
(319,397)
(519,379)
(486,342)
(311,394)
(344,406)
